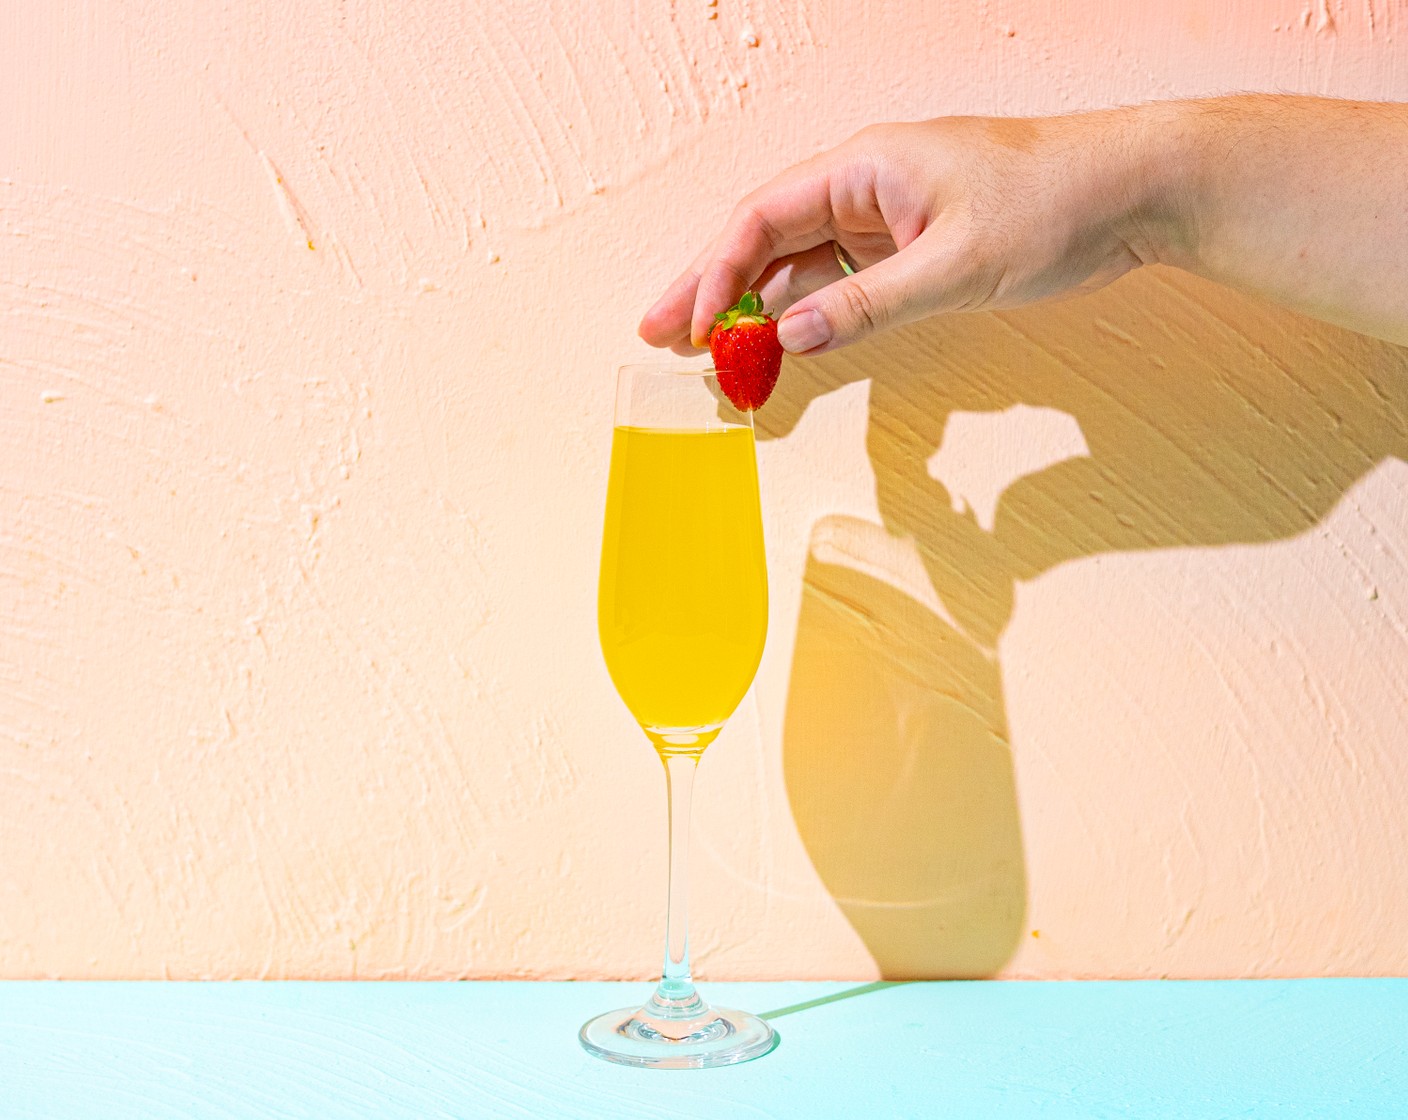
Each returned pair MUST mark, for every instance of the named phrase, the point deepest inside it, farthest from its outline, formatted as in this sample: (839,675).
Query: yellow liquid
(683,602)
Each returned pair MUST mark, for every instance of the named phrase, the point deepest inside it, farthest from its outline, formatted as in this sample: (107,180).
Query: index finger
(667,322)
(788,215)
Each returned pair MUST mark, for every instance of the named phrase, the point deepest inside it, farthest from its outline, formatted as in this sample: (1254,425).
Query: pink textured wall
(307,314)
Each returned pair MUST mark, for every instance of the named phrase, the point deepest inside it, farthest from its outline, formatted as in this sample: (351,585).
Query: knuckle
(750,217)
(727,274)
(861,310)
(744,209)
(880,135)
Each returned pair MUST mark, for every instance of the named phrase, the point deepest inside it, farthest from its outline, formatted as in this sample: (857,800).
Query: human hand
(953,214)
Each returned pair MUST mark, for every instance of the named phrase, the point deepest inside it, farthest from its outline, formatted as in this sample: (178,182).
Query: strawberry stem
(749,306)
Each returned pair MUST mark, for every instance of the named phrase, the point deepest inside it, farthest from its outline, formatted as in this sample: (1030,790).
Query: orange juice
(683,603)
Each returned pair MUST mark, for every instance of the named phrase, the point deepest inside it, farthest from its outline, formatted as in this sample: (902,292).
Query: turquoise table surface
(1299,1048)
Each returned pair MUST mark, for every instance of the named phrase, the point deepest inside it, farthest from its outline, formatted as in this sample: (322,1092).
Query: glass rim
(669,397)
(657,369)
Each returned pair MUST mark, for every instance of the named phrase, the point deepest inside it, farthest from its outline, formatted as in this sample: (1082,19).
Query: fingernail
(806,330)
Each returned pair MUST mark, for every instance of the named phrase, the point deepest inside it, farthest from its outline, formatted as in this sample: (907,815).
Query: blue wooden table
(996,1051)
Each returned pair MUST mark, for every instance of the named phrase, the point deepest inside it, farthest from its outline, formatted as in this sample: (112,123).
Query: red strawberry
(747,355)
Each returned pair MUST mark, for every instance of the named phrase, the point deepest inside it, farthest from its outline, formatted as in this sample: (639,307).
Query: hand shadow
(1210,419)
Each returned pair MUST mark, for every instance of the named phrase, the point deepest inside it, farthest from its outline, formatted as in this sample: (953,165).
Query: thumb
(906,286)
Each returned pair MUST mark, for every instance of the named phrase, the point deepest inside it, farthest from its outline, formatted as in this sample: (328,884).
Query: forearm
(1301,200)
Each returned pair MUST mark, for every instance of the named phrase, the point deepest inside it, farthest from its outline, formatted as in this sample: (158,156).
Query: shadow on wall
(1209,419)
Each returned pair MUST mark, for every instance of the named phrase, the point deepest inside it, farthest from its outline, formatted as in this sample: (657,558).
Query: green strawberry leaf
(749,306)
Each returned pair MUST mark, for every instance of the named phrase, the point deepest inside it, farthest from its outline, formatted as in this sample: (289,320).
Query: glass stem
(675,996)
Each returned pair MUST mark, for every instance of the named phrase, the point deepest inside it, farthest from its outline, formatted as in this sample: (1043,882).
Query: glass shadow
(1210,418)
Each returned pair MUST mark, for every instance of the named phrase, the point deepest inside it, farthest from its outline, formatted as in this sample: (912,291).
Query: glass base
(710,1036)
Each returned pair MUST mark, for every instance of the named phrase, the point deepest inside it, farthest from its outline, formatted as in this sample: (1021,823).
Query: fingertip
(668,320)
(720,286)
(663,326)
(649,330)
(804,331)
(699,326)
(699,340)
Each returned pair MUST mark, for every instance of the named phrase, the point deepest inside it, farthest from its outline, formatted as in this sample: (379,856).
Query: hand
(954,214)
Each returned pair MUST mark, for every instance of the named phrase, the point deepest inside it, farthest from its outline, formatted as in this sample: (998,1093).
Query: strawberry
(747,355)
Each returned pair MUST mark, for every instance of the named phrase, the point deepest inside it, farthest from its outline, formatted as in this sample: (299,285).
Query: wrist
(1161,146)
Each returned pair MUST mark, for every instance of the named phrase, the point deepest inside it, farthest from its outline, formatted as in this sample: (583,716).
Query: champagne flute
(682,614)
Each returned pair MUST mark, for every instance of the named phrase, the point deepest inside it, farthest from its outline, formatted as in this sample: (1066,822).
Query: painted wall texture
(1090,658)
